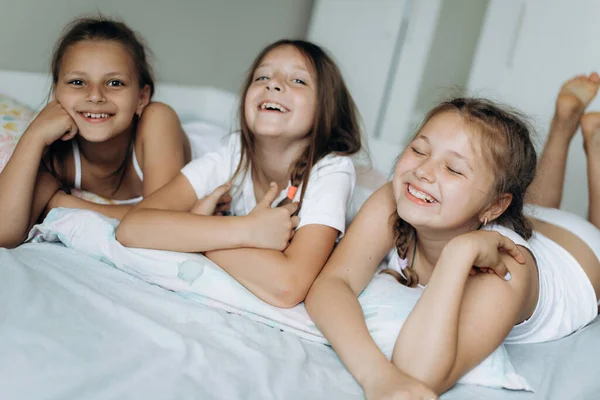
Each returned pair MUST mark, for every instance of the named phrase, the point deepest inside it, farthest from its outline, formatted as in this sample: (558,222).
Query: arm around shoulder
(461,319)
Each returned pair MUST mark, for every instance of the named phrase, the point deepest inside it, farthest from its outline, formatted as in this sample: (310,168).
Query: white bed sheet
(72,327)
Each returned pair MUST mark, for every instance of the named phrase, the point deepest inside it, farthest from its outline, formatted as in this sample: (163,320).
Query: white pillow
(204,137)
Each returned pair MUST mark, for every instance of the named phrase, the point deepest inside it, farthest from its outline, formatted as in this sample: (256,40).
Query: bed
(74,327)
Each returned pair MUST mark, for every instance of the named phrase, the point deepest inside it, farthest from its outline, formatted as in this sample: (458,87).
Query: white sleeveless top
(566,298)
(77,183)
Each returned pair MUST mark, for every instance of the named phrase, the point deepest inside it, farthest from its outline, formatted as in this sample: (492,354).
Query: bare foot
(575,95)
(590,128)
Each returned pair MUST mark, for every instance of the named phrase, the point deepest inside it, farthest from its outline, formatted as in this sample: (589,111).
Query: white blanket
(386,304)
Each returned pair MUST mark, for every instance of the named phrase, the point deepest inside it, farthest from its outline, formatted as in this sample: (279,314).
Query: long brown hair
(506,136)
(336,127)
(97,29)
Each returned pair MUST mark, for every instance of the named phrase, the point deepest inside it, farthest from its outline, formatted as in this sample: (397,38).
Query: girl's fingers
(223,207)
(502,271)
(291,207)
(511,248)
(70,134)
(269,197)
(225,199)
(295,221)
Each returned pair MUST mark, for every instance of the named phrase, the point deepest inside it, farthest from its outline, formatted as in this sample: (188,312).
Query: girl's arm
(163,221)
(62,199)
(280,278)
(24,189)
(460,319)
(284,278)
(163,146)
(333,305)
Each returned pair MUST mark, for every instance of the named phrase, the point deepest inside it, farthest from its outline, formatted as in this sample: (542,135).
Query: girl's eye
(76,82)
(417,152)
(115,83)
(453,171)
(261,78)
(300,81)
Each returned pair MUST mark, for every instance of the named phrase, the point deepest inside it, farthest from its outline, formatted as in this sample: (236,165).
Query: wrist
(244,231)
(33,139)
(372,373)
(461,250)
(378,376)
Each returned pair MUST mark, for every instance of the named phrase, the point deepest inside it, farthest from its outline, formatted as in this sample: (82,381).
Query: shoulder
(332,176)
(384,196)
(156,118)
(520,292)
(333,163)
(381,205)
(509,233)
(157,109)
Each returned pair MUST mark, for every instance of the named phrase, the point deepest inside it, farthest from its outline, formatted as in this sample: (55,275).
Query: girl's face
(98,86)
(442,180)
(282,99)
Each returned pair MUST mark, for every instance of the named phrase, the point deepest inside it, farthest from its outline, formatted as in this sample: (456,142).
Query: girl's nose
(274,84)
(96,94)
(425,172)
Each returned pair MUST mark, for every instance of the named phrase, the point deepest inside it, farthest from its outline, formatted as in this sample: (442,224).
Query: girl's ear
(497,207)
(144,100)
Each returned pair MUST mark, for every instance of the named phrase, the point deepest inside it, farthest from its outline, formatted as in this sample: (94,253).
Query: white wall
(204,42)
(528,49)
(398,57)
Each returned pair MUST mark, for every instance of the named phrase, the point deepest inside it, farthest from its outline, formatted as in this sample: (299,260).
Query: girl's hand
(395,385)
(272,228)
(216,203)
(488,247)
(52,123)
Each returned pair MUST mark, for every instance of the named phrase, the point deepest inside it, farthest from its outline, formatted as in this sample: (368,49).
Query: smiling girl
(453,210)
(298,128)
(100,133)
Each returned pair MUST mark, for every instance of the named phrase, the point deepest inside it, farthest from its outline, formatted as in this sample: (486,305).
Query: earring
(485,221)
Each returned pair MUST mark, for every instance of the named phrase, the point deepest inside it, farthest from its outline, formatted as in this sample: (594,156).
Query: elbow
(438,381)
(447,382)
(441,386)
(288,294)
(9,244)
(10,241)
(125,232)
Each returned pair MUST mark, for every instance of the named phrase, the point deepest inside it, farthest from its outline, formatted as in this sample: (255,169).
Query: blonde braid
(404,234)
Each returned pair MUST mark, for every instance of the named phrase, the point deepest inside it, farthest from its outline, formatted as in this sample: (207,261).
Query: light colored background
(202,42)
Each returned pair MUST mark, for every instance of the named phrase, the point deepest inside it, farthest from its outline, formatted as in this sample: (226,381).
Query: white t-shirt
(327,196)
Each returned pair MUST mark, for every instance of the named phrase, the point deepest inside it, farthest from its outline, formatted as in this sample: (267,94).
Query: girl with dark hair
(99,133)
